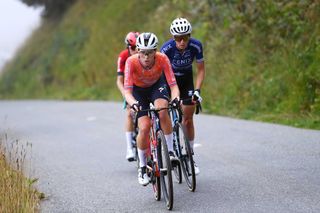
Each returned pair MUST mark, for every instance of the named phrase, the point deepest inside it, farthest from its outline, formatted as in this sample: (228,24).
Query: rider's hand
(175,102)
(136,107)
(196,96)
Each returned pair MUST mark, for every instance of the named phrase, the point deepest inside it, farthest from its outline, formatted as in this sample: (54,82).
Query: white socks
(129,140)
(169,139)
(142,153)
(142,157)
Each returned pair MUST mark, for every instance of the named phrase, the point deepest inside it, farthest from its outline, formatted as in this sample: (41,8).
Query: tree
(52,8)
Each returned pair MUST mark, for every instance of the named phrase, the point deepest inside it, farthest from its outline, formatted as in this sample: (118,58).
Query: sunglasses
(146,52)
(133,48)
(185,38)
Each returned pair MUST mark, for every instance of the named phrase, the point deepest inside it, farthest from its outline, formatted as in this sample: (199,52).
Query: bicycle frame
(176,117)
(155,126)
(158,159)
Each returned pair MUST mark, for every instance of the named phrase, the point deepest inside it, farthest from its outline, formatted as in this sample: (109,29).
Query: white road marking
(91,118)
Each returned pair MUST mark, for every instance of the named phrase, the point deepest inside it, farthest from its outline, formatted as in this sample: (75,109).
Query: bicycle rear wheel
(178,173)
(165,170)
(185,156)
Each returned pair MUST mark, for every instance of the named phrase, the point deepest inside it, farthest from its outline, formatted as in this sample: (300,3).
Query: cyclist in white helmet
(130,41)
(181,50)
(144,84)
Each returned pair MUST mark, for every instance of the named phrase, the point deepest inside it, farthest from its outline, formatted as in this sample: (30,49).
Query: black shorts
(148,95)
(186,87)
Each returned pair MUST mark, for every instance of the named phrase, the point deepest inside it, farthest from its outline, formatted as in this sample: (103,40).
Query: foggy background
(16,23)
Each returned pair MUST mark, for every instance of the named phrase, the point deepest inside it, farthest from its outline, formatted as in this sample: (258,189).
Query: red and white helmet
(131,38)
(180,26)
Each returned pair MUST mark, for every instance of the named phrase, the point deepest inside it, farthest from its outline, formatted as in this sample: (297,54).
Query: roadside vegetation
(17,193)
(262,57)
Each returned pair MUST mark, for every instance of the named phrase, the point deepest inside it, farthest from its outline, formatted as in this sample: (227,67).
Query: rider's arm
(175,93)
(129,97)
(128,83)
(200,65)
(200,74)
(120,71)
(120,80)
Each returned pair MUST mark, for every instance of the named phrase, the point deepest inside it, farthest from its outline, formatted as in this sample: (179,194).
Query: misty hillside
(262,57)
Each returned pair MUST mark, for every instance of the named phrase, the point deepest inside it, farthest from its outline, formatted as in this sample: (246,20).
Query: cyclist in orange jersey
(130,41)
(143,84)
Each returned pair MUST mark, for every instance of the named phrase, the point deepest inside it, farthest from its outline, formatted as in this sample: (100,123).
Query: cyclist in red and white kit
(130,41)
(143,84)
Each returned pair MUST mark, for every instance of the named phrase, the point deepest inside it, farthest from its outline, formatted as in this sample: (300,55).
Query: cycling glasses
(147,52)
(185,38)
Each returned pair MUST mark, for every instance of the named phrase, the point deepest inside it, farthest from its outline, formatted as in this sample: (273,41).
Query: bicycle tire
(135,143)
(135,148)
(177,169)
(185,157)
(165,170)
(156,189)
(178,173)
(155,176)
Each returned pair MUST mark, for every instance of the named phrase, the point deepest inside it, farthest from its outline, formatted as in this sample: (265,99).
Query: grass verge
(17,193)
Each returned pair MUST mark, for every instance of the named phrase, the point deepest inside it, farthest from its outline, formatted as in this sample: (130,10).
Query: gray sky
(16,23)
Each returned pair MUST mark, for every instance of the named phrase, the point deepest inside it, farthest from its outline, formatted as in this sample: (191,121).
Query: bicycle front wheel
(177,169)
(165,170)
(155,173)
(185,156)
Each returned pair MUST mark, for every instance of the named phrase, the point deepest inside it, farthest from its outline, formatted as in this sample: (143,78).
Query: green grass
(262,59)
(17,193)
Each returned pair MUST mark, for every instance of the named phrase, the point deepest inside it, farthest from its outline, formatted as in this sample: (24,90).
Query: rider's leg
(129,134)
(187,122)
(165,122)
(144,125)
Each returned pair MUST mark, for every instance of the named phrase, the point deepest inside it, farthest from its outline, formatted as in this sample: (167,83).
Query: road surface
(78,154)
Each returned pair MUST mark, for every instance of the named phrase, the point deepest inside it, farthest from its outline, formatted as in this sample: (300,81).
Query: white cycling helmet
(180,26)
(147,41)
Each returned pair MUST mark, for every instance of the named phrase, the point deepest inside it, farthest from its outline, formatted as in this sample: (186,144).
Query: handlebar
(197,102)
(172,106)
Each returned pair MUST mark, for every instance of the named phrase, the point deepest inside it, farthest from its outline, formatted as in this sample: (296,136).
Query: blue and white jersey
(182,62)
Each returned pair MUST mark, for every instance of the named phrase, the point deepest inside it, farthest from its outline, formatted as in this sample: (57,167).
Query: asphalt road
(78,154)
